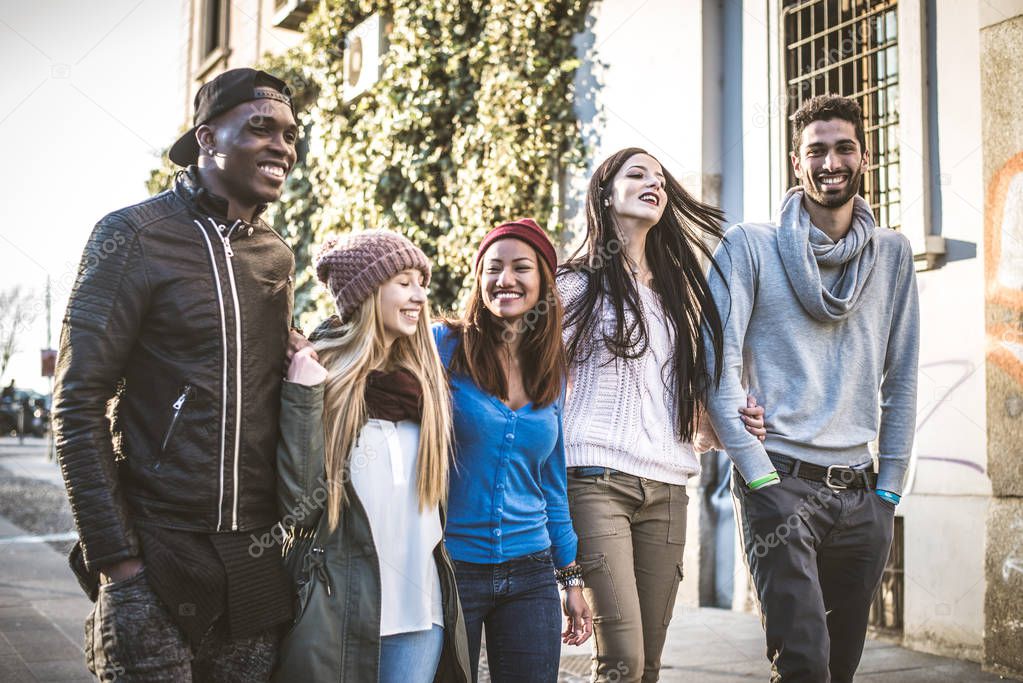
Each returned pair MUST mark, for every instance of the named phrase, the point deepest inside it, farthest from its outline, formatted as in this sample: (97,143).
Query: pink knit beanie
(353,266)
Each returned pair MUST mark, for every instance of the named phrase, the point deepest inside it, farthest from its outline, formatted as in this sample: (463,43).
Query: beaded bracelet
(569,576)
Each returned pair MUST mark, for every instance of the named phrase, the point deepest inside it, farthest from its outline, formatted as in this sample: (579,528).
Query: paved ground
(42,608)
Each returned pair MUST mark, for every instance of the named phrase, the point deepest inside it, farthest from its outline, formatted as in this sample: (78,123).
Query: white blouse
(383,468)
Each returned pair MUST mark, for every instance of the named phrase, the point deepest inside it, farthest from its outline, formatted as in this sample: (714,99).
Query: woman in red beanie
(508,527)
(637,311)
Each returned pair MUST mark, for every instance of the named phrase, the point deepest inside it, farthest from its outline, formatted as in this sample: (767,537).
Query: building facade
(225,34)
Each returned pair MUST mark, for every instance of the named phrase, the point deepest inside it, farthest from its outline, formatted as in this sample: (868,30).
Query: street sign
(49,361)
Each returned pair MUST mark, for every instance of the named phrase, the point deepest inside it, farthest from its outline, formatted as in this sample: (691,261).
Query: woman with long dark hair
(508,525)
(637,308)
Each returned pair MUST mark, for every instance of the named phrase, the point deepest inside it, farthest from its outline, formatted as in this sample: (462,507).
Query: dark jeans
(816,556)
(130,636)
(518,603)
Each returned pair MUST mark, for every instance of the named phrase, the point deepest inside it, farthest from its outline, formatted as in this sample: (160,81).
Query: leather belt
(836,477)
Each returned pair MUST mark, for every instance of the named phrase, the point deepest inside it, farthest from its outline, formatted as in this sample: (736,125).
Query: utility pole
(51,444)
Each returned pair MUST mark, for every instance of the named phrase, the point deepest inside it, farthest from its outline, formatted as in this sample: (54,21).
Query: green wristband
(763,481)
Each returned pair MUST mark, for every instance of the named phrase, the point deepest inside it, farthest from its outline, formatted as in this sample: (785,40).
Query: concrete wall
(1002,100)
(642,85)
(948,487)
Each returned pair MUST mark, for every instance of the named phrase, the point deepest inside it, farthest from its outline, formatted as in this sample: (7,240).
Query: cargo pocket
(590,506)
(678,502)
(669,609)
(600,590)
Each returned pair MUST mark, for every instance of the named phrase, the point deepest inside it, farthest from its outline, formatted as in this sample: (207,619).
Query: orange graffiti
(1005,341)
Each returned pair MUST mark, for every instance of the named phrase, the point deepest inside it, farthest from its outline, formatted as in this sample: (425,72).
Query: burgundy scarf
(394,396)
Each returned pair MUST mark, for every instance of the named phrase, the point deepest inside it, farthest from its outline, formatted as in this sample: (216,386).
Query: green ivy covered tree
(472,123)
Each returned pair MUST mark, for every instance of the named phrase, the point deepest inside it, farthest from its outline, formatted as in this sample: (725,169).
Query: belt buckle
(831,485)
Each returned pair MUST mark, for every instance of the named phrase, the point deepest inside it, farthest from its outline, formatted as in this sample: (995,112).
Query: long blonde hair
(349,357)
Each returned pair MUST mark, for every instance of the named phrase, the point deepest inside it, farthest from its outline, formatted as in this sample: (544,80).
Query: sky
(91,92)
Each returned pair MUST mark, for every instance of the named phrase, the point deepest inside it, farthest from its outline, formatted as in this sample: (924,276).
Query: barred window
(849,47)
(213,26)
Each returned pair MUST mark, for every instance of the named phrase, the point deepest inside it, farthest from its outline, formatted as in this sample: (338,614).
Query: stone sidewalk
(42,611)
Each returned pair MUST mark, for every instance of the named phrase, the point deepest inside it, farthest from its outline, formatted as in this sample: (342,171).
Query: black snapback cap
(225,92)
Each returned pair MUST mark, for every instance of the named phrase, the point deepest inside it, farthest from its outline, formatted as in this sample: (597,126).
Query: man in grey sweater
(822,326)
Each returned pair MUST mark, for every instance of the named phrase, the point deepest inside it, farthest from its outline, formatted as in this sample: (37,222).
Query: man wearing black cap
(180,314)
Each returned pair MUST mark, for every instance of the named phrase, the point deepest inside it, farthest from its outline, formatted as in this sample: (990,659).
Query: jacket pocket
(187,394)
(278,287)
(305,564)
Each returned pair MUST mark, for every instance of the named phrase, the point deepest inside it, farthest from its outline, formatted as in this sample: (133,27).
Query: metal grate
(850,48)
(886,609)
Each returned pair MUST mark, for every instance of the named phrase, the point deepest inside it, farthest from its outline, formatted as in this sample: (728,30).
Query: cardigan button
(497,532)
(510,437)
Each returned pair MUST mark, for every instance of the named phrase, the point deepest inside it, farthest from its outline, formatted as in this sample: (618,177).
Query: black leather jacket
(182,318)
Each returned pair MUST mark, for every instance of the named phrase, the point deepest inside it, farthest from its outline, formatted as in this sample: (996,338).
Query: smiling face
(509,279)
(253,150)
(637,190)
(830,162)
(402,299)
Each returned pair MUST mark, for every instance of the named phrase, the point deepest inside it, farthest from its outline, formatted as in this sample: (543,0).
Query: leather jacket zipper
(224,362)
(186,393)
(225,237)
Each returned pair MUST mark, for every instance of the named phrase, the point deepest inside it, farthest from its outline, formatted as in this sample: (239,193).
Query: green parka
(336,575)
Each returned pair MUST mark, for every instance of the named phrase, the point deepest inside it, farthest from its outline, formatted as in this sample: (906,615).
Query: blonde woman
(362,479)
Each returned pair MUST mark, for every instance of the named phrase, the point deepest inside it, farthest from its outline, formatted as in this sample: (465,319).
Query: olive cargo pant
(631,535)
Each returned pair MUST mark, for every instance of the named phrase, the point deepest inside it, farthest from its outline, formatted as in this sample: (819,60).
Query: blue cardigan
(508,494)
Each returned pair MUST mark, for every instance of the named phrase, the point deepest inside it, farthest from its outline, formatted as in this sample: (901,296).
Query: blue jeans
(411,657)
(518,603)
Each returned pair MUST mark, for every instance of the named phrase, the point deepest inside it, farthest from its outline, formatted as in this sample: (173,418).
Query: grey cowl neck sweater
(805,249)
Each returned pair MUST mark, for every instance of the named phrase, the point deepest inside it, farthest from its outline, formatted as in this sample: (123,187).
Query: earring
(607,201)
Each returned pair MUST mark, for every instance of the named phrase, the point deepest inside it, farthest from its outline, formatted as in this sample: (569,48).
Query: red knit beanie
(526,230)
(355,265)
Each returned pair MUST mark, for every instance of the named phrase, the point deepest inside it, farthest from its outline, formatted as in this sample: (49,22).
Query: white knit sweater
(621,414)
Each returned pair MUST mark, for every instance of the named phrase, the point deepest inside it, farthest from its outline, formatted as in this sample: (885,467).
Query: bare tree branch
(15,315)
